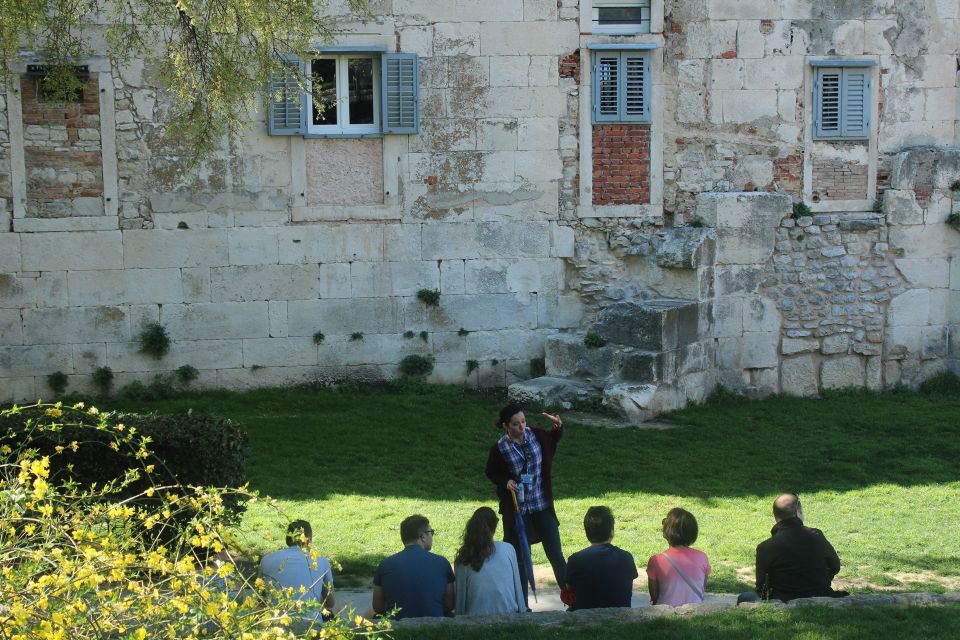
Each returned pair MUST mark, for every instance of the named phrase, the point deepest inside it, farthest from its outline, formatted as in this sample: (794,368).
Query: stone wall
(498,204)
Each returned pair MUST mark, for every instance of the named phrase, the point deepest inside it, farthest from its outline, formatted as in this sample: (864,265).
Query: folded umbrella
(521,530)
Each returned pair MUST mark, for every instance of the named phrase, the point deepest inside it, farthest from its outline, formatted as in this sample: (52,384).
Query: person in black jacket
(796,561)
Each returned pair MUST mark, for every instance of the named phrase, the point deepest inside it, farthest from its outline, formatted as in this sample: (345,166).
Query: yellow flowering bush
(100,561)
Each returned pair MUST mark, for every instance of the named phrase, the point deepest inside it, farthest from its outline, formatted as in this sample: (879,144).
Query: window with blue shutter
(400,91)
(621,86)
(286,100)
(842,103)
(350,92)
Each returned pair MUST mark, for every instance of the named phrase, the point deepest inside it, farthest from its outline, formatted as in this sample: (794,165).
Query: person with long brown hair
(487,575)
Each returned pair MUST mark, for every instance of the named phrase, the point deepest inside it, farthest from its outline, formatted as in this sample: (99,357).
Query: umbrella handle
(513,494)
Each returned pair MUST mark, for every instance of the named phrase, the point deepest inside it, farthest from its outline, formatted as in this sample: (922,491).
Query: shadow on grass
(433,445)
(734,624)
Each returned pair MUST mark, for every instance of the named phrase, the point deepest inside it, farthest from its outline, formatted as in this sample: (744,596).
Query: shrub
(429,297)
(154,340)
(800,210)
(102,379)
(318,337)
(83,562)
(593,341)
(158,389)
(946,383)
(356,336)
(189,449)
(58,381)
(472,365)
(186,374)
(416,366)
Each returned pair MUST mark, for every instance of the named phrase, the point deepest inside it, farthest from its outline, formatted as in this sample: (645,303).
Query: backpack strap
(697,590)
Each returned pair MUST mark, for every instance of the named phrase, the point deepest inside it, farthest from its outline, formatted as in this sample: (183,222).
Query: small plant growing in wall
(954,221)
(103,380)
(424,336)
(429,297)
(58,381)
(494,362)
(154,340)
(186,374)
(318,337)
(955,186)
(877,205)
(416,366)
(356,336)
(463,332)
(409,335)
(593,341)
(472,365)
(800,210)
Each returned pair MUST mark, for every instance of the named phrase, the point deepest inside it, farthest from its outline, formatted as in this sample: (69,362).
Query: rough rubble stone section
(621,164)
(63,155)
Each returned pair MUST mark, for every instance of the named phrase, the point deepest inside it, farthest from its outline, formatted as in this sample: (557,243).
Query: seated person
(678,575)
(488,579)
(418,583)
(299,568)
(796,561)
(601,575)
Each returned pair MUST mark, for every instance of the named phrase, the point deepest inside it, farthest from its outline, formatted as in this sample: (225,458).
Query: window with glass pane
(346,95)
(621,17)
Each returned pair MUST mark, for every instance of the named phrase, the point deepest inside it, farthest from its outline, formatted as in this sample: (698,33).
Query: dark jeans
(546,525)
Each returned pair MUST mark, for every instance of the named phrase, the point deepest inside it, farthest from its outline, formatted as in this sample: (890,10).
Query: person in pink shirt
(678,575)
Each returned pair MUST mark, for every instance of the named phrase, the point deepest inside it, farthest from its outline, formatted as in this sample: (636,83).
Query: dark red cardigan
(499,473)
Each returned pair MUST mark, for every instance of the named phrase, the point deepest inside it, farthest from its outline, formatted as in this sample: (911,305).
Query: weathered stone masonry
(509,203)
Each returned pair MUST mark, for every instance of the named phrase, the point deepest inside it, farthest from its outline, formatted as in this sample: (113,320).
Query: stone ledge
(599,616)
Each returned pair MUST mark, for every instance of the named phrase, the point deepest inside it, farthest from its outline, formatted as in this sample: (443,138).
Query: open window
(352,93)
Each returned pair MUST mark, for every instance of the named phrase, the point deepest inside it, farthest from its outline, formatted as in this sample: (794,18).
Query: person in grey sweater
(487,575)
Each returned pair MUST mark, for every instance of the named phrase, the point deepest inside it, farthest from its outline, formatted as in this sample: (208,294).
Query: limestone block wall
(495,204)
(273,240)
(739,88)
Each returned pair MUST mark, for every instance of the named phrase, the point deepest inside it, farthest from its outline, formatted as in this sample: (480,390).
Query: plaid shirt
(525,458)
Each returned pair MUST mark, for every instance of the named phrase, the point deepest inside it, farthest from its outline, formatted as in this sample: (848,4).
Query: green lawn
(880,474)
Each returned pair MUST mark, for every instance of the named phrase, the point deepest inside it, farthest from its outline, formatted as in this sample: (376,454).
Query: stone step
(567,356)
(651,325)
(550,391)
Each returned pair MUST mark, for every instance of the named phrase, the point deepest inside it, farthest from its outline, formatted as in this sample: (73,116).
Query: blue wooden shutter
(827,92)
(855,100)
(400,90)
(635,94)
(606,86)
(286,115)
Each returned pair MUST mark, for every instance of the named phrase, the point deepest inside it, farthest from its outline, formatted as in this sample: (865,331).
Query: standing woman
(488,581)
(523,458)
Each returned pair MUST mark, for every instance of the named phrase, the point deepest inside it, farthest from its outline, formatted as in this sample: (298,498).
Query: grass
(807,623)
(879,474)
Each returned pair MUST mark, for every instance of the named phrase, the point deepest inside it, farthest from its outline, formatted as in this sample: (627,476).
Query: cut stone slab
(653,325)
(635,401)
(551,391)
(845,371)
(635,365)
(567,356)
